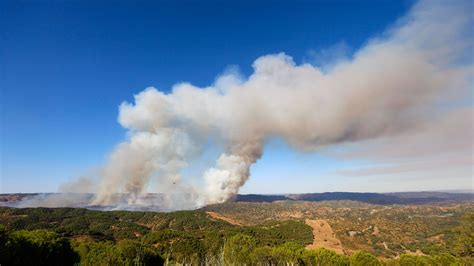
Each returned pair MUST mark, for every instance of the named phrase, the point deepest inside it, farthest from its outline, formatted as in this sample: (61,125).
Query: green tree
(187,250)
(414,260)
(125,252)
(97,253)
(40,247)
(407,260)
(465,242)
(131,252)
(5,252)
(238,248)
(263,256)
(212,244)
(446,259)
(322,256)
(362,258)
(289,253)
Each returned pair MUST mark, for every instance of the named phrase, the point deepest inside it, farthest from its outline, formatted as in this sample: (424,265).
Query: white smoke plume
(387,88)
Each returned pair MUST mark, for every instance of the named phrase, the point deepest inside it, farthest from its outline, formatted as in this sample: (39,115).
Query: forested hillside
(66,236)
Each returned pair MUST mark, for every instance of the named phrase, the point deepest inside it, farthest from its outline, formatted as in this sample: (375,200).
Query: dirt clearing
(323,236)
(215,215)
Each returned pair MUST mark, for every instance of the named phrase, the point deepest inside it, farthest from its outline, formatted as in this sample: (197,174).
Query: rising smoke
(387,88)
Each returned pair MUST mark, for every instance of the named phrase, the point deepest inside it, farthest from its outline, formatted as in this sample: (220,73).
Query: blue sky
(67,65)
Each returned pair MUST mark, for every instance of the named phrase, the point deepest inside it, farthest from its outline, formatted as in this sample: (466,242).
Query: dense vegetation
(66,236)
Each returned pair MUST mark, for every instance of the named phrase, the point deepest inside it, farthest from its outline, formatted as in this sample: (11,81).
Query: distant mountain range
(423,197)
(81,200)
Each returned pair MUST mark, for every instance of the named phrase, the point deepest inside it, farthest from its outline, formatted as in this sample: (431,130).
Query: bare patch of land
(324,236)
(218,216)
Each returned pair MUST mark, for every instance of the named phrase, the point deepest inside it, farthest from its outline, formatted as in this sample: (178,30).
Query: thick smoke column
(387,88)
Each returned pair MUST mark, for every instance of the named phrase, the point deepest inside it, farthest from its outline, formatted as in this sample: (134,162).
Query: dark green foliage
(187,250)
(124,252)
(464,245)
(133,252)
(184,247)
(263,256)
(412,260)
(238,248)
(5,249)
(446,259)
(323,256)
(96,253)
(294,254)
(290,253)
(70,222)
(37,247)
(213,243)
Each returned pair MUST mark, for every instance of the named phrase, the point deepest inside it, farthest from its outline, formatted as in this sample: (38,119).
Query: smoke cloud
(412,75)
